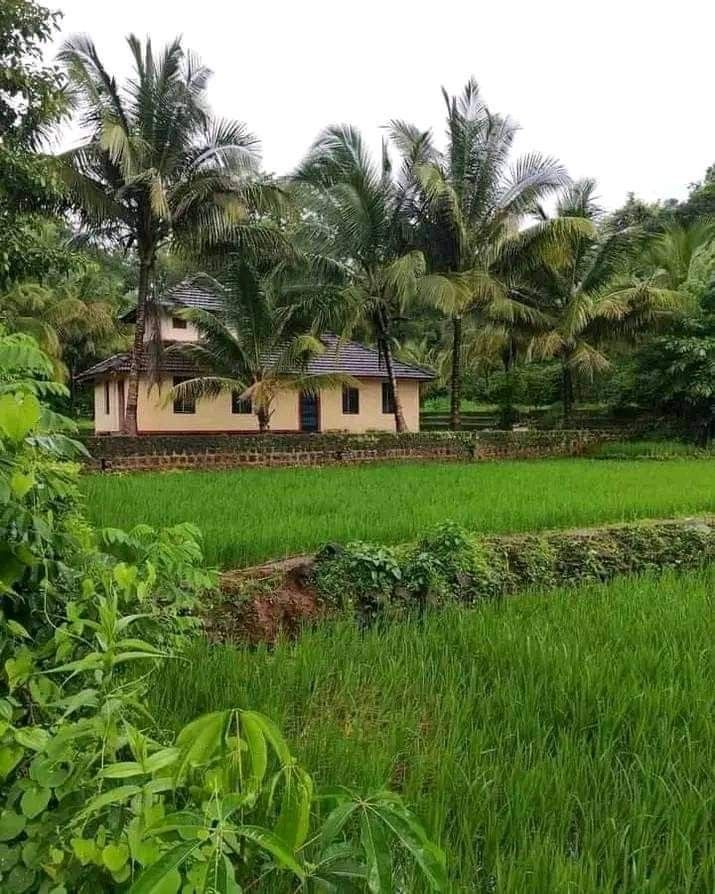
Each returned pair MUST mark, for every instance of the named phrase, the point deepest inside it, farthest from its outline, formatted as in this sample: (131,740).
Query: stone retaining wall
(165,452)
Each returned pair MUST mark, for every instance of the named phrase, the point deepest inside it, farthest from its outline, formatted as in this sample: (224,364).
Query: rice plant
(255,514)
(559,742)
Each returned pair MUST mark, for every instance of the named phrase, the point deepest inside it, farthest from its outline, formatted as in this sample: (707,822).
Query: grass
(663,449)
(558,742)
(254,514)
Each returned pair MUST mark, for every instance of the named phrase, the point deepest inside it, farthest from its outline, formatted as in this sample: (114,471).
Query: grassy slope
(553,743)
(254,514)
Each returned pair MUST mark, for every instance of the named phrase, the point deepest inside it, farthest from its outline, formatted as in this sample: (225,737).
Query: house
(366,407)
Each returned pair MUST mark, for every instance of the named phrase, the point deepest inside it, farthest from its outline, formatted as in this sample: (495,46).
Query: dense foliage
(449,563)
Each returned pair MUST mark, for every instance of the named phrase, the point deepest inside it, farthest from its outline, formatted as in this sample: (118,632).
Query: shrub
(450,563)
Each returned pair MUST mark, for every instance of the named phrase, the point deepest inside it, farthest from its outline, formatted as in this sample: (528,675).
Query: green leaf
(10,757)
(17,630)
(115,857)
(268,841)
(294,819)
(18,416)
(183,821)
(156,875)
(85,849)
(200,740)
(161,759)
(34,737)
(121,770)
(256,742)
(34,800)
(336,821)
(220,876)
(20,484)
(113,796)
(272,734)
(411,835)
(21,879)
(377,855)
(48,773)
(11,825)
(8,857)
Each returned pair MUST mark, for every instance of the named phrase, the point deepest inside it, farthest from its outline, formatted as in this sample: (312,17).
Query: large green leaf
(184,821)
(18,416)
(294,819)
(335,822)
(11,824)
(270,842)
(377,854)
(113,796)
(220,876)
(272,734)
(200,740)
(411,835)
(156,875)
(34,800)
(256,743)
(10,757)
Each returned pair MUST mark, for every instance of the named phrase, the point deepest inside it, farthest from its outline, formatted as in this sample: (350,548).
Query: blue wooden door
(309,418)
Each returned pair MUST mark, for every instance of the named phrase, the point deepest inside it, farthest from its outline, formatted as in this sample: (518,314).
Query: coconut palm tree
(675,252)
(256,346)
(579,276)
(155,167)
(459,205)
(351,221)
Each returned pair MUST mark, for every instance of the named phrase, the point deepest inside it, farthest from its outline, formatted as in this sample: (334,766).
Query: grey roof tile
(340,356)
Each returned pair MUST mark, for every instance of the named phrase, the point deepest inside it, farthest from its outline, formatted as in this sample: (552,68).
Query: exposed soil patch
(261,604)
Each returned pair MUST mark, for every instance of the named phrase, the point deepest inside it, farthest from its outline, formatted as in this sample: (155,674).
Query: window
(178,323)
(106,398)
(183,404)
(240,405)
(351,401)
(388,404)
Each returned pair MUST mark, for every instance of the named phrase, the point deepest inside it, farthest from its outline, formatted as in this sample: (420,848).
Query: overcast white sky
(621,90)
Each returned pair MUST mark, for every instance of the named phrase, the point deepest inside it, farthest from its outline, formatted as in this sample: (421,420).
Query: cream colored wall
(370,417)
(168,333)
(156,411)
(104,422)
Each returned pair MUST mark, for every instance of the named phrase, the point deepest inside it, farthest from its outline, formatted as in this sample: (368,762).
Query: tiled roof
(200,291)
(340,357)
(357,360)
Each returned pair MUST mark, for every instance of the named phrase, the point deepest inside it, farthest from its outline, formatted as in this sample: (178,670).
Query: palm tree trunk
(455,417)
(566,391)
(264,419)
(130,413)
(386,350)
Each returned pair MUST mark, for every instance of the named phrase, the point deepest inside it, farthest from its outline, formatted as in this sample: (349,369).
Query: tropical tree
(351,222)
(680,255)
(31,102)
(73,316)
(578,275)
(255,346)
(461,203)
(156,167)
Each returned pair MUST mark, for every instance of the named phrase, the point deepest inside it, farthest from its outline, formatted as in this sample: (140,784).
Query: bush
(449,563)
